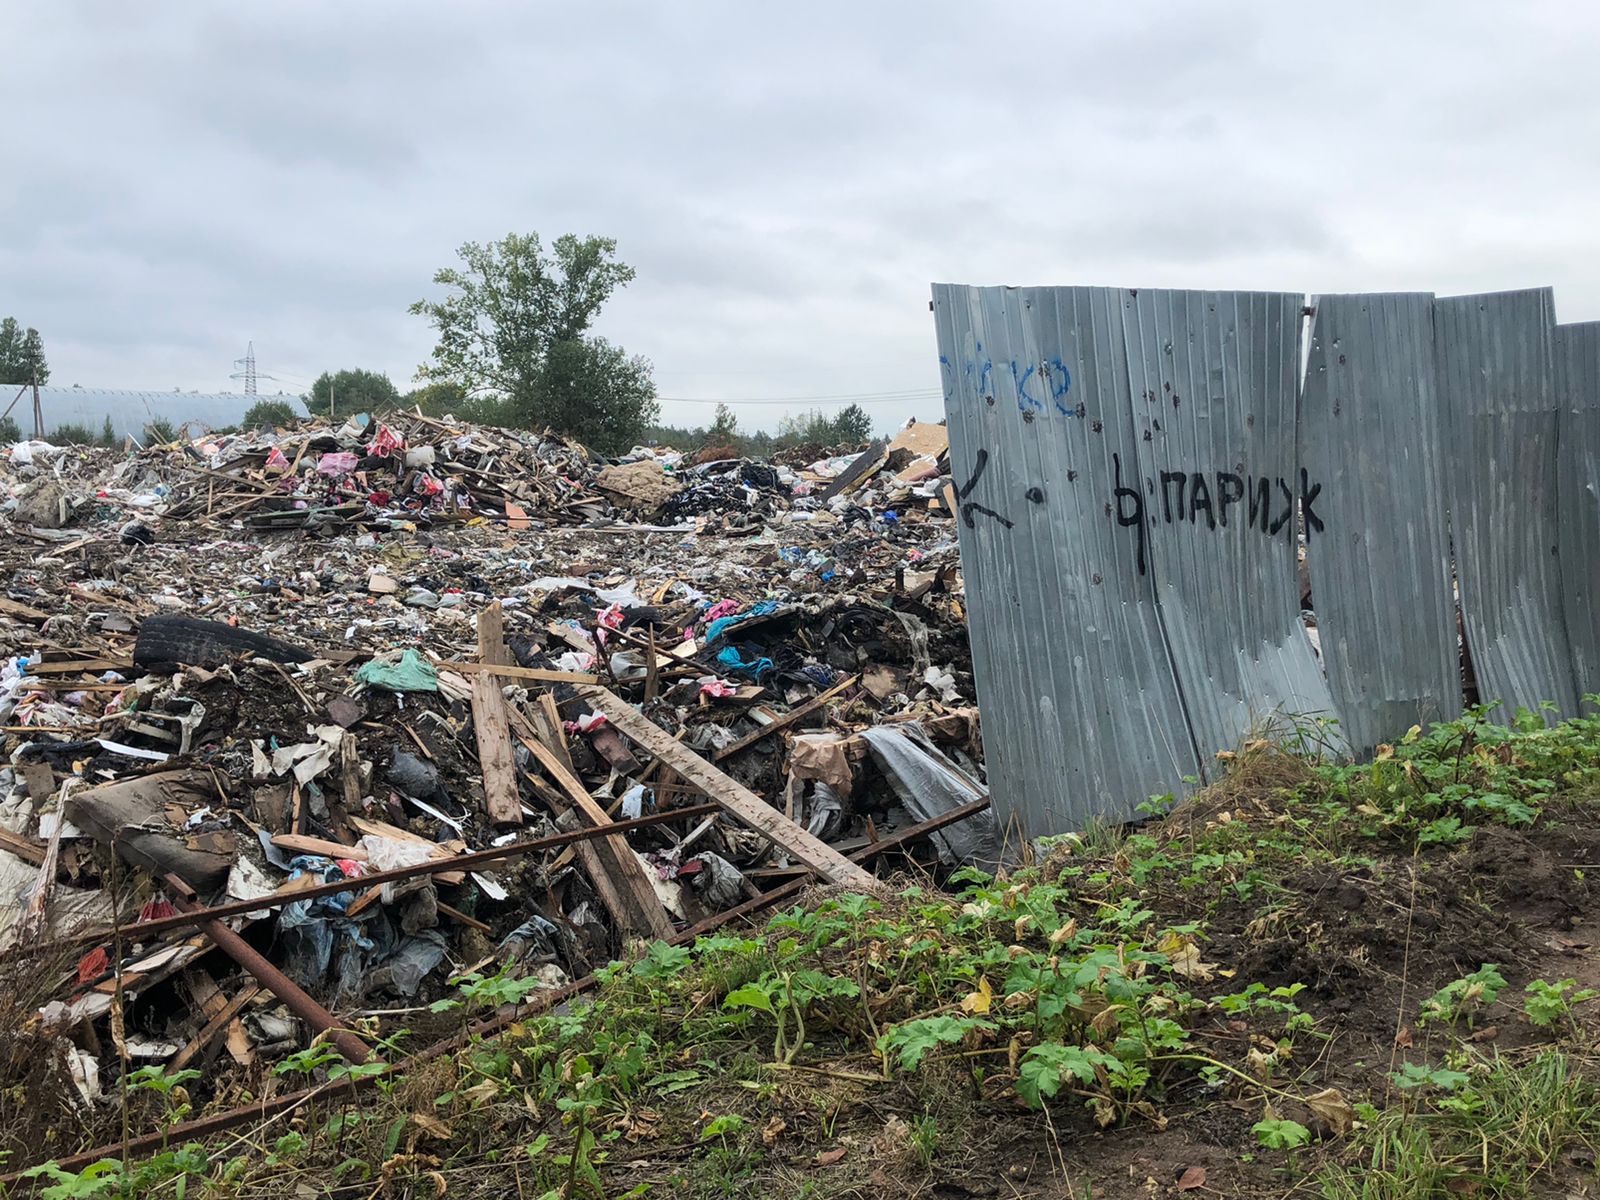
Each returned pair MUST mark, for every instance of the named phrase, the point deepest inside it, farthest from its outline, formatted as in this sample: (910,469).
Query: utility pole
(38,409)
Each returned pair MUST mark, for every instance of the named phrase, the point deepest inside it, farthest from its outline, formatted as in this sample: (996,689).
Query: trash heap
(407,471)
(317,741)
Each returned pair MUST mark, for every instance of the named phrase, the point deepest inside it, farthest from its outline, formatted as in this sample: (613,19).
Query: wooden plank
(215,1026)
(512,671)
(205,993)
(789,718)
(24,848)
(547,726)
(12,608)
(491,724)
(492,648)
(384,830)
(739,801)
(82,664)
(639,908)
(302,843)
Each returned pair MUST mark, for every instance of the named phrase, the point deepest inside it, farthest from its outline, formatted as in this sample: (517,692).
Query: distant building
(130,412)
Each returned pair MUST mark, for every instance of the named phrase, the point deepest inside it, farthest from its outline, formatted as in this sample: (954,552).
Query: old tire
(193,643)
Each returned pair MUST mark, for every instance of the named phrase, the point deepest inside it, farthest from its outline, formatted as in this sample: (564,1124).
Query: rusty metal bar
(461,862)
(220,1122)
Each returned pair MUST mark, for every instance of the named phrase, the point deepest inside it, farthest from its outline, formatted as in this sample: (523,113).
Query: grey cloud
(186,177)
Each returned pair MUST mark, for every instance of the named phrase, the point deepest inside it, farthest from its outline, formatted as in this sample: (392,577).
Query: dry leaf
(431,1125)
(1402,1040)
(773,1131)
(1104,1021)
(1330,1107)
(641,1123)
(1151,1113)
(1183,956)
(1194,1177)
(828,1158)
(980,1000)
(1487,1034)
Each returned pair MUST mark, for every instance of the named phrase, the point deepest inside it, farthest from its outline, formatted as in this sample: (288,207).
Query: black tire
(194,643)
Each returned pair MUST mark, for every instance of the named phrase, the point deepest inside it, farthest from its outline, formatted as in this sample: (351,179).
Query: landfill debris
(370,707)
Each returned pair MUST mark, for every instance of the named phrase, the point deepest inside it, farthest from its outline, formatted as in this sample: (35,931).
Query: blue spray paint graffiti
(1025,402)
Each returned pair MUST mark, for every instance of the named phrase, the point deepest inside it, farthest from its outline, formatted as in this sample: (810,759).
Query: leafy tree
(344,393)
(515,325)
(108,433)
(21,354)
(852,424)
(9,432)
(270,414)
(724,428)
(159,432)
(72,434)
(808,427)
(437,399)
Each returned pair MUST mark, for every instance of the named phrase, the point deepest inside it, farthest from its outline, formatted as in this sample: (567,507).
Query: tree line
(515,346)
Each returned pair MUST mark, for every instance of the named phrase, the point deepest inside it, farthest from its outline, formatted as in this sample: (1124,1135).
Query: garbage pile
(407,471)
(329,741)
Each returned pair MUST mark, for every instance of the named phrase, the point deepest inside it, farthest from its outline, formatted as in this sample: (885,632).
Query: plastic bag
(399,671)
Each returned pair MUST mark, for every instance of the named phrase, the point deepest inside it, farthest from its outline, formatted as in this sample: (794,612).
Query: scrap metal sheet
(1577,373)
(1500,427)
(1082,716)
(1379,552)
(1214,378)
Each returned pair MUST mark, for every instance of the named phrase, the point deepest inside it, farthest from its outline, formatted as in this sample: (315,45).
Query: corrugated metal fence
(1150,485)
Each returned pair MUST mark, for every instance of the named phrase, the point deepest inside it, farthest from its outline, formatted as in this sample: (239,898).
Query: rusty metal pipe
(139,931)
(219,1122)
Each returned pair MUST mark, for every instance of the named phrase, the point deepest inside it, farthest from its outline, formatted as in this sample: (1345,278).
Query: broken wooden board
(491,724)
(864,464)
(738,800)
(792,717)
(511,671)
(637,908)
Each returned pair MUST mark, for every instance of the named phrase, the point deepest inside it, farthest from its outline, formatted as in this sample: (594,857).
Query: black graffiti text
(1215,499)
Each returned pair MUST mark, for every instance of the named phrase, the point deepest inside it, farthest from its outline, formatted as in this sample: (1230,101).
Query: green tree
(724,428)
(108,433)
(852,424)
(72,434)
(10,434)
(345,393)
(515,324)
(21,354)
(437,399)
(270,414)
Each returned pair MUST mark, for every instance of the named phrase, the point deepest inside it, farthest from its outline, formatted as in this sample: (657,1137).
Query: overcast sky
(788,180)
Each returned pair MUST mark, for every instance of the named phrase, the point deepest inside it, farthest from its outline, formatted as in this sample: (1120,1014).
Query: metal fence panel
(1215,383)
(1380,566)
(1577,372)
(1499,424)
(1082,716)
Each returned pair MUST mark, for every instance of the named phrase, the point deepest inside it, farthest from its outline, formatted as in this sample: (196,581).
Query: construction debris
(371,707)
